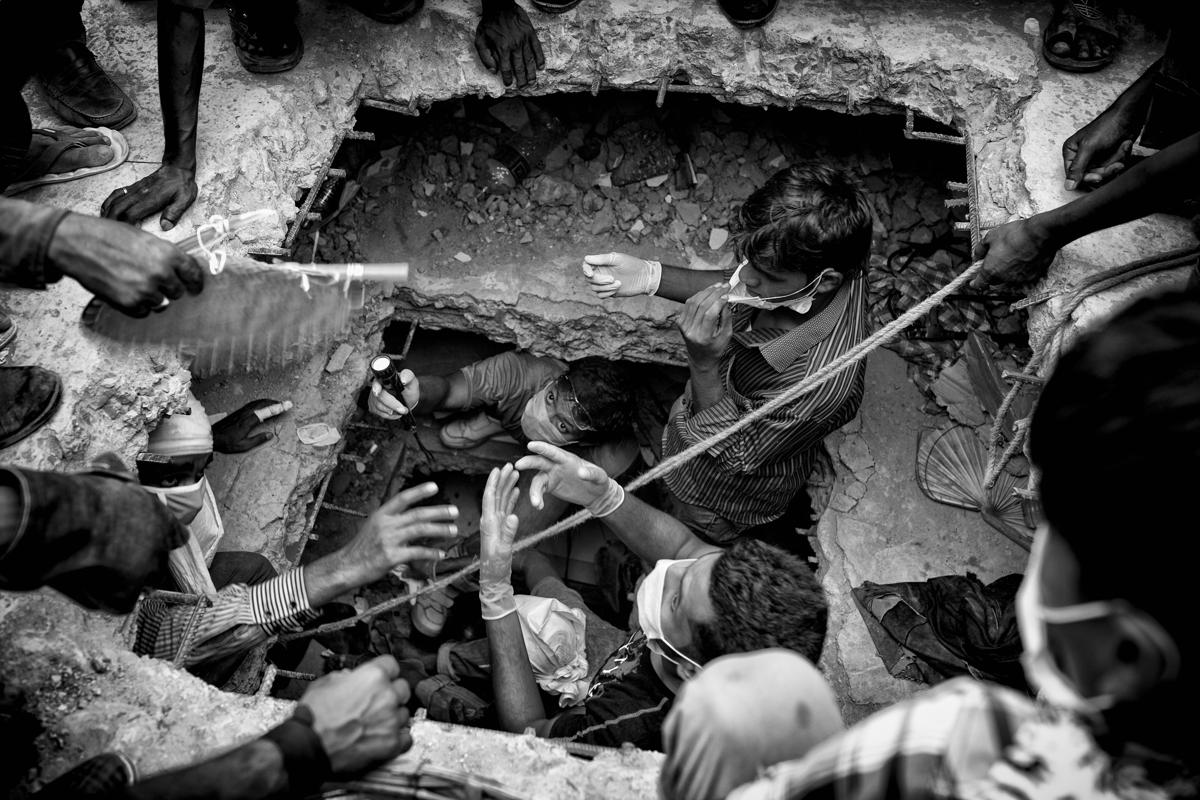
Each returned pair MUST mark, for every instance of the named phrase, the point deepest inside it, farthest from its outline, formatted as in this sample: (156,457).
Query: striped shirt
(750,478)
(968,740)
(239,618)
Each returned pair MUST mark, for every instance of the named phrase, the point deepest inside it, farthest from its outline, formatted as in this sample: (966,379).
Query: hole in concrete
(617,173)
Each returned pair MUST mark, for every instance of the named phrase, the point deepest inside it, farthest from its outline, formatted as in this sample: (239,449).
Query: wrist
(181,157)
(304,758)
(496,600)
(1049,229)
(608,502)
(654,276)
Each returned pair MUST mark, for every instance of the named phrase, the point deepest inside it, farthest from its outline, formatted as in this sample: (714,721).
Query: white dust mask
(1043,673)
(195,506)
(649,605)
(799,301)
(537,425)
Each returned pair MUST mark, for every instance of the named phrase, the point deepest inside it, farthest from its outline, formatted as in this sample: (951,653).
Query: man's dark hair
(762,597)
(807,217)
(1116,435)
(605,390)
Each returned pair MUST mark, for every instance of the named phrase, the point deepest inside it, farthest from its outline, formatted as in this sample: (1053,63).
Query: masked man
(699,602)
(1106,621)
(586,406)
(795,302)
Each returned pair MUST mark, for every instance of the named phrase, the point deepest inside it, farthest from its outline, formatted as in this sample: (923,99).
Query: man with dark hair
(586,405)
(796,301)
(1106,623)
(699,602)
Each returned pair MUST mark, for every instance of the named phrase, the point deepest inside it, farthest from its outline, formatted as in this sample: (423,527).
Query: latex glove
(621,275)
(385,405)
(360,715)
(242,430)
(568,477)
(497,530)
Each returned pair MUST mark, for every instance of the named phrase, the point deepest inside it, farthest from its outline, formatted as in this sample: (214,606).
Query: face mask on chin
(800,301)
(537,426)
(649,605)
(1041,670)
(195,506)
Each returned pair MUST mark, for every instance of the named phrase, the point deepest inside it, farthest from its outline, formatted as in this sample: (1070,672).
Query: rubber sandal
(554,6)
(1074,17)
(61,144)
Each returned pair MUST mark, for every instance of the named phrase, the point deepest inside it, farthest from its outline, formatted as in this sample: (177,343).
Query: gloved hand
(621,275)
(384,404)
(497,530)
(568,477)
(242,429)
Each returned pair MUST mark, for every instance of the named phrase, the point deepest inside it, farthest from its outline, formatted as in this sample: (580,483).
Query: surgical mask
(1044,675)
(537,425)
(195,506)
(649,605)
(799,301)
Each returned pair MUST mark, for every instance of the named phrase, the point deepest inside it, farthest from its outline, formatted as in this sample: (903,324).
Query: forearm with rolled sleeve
(26,230)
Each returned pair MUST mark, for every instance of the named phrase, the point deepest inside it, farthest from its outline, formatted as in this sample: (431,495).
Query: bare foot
(93,152)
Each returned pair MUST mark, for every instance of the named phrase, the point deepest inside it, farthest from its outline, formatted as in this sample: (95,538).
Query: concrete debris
(338,359)
(657,180)
(462,257)
(717,238)
(689,213)
(855,453)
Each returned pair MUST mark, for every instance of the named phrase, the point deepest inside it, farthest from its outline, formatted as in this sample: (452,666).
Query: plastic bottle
(516,159)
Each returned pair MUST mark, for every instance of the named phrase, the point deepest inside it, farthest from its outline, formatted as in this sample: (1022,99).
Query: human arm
(507,43)
(518,703)
(244,429)
(1098,150)
(345,723)
(129,269)
(1021,251)
(172,187)
(241,617)
(421,395)
(622,275)
(706,323)
(648,532)
(97,537)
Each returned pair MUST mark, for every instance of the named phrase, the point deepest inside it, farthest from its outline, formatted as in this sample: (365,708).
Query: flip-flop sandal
(1075,17)
(61,144)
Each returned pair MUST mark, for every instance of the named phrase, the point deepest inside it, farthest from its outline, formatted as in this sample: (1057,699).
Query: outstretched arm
(172,187)
(518,703)
(623,275)
(648,532)
(1022,250)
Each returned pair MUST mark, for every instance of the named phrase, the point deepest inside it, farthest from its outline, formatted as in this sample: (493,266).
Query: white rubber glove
(621,275)
(568,477)
(384,404)
(497,530)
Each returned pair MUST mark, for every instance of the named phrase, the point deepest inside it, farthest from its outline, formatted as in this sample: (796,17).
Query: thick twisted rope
(835,367)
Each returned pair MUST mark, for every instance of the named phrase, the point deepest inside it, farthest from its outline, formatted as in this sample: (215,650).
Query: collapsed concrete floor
(262,137)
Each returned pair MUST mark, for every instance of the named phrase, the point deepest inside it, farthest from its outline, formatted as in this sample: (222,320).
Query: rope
(1091,285)
(839,365)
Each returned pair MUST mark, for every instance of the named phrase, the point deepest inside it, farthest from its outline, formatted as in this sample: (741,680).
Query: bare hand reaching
(506,42)
(131,270)
(360,715)
(707,325)
(169,189)
(1016,252)
(396,534)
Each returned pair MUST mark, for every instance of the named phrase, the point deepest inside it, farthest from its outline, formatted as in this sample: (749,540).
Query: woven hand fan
(951,467)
